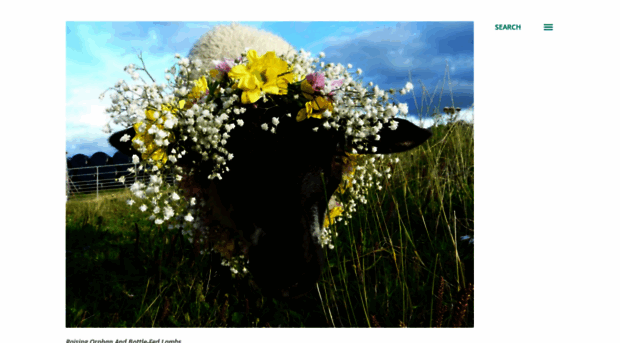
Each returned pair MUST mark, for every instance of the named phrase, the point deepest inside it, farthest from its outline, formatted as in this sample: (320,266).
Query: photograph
(276,174)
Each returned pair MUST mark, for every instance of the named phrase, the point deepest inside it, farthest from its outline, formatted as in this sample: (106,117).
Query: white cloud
(97,116)
(465,115)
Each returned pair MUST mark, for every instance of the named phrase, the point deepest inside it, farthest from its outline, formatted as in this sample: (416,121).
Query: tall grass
(400,262)
(388,263)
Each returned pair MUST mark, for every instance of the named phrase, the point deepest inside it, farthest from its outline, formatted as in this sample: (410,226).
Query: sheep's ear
(406,137)
(127,148)
(124,147)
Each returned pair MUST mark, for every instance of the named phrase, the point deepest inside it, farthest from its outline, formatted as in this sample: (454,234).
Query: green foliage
(399,262)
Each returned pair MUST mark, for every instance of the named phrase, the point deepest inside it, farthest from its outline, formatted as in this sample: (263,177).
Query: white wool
(229,41)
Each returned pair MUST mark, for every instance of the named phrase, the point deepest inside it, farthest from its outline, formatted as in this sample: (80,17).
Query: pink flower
(317,80)
(337,83)
(225,65)
(334,85)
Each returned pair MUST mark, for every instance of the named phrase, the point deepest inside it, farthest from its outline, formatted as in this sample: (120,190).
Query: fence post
(97,182)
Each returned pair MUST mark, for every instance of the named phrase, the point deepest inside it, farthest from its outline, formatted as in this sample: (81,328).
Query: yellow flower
(350,162)
(333,213)
(153,151)
(315,108)
(265,74)
(306,90)
(199,89)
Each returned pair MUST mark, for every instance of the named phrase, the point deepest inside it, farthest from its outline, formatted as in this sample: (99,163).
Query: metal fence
(93,179)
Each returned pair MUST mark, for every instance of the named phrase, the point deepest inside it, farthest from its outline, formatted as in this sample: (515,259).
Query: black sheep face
(277,191)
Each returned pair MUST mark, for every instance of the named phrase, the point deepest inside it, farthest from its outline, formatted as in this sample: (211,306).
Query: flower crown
(200,105)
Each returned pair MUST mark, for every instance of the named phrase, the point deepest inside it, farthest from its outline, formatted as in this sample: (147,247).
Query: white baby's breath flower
(136,186)
(175,196)
(189,217)
(135,159)
(168,212)
(264,126)
(143,208)
(125,138)
(155,179)
(404,109)
(275,121)
(130,202)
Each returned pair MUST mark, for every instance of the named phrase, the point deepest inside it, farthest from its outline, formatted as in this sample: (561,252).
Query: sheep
(229,41)
(275,195)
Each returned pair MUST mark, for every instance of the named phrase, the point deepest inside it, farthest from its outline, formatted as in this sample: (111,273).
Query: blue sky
(97,52)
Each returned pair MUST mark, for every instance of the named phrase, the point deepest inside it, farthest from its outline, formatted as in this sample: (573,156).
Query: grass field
(400,263)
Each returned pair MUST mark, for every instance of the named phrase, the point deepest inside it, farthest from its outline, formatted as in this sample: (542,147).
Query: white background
(546,162)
